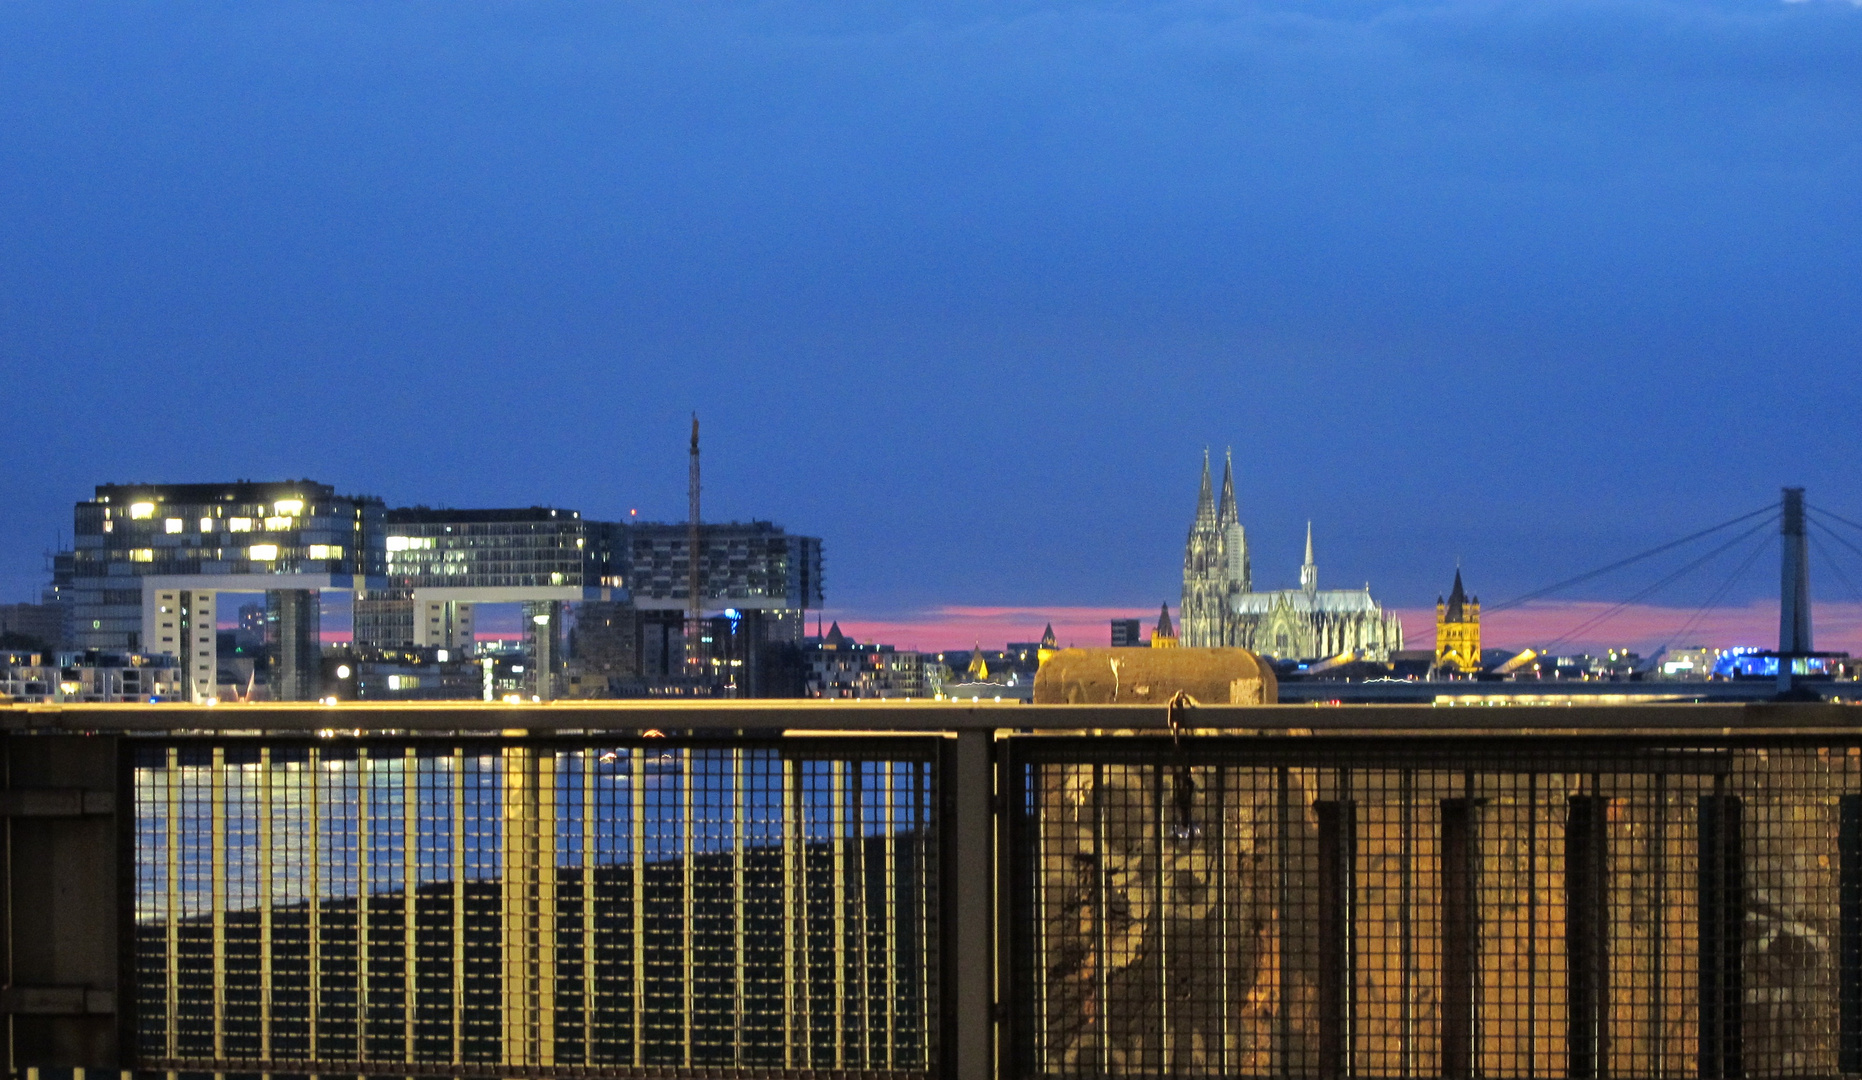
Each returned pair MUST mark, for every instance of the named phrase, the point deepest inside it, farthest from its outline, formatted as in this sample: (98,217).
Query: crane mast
(694,608)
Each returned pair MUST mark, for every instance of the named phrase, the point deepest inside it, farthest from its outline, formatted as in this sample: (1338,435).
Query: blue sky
(964,288)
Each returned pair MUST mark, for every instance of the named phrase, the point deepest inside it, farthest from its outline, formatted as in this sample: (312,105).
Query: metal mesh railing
(535,906)
(1410,908)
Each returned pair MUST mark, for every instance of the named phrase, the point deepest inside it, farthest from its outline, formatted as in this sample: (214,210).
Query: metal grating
(531,907)
(1455,908)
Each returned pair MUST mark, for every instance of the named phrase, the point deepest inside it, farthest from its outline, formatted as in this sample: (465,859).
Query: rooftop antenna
(694,652)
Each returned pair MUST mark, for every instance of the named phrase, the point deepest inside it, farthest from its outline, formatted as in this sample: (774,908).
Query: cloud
(1640,627)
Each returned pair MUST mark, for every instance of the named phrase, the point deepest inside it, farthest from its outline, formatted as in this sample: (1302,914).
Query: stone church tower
(1215,564)
(1458,630)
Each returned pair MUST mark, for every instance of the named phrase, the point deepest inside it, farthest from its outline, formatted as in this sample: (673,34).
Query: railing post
(969,928)
(63,844)
(1722,906)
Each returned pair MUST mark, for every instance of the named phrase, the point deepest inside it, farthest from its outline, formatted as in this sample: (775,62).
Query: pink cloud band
(1639,627)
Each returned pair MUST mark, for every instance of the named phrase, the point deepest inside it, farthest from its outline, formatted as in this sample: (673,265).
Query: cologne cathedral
(1220,606)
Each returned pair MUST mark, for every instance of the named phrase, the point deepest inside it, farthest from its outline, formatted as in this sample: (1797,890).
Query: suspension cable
(1834,535)
(1837,517)
(1694,619)
(1830,561)
(1663,583)
(1771,509)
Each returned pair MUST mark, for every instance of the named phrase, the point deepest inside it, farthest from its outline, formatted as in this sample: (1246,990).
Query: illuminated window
(108,525)
(238,524)
(172,525)
(263,552)
(279,524)
(556,578)
(142,511)
(326,551)
(397,543)
(289,506)
(141,554)
(206,524)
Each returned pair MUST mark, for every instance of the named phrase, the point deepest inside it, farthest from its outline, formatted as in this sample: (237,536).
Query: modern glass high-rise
(439,564)
(150,560)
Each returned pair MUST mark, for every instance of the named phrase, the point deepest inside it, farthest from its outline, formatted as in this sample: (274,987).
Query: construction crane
(694,607)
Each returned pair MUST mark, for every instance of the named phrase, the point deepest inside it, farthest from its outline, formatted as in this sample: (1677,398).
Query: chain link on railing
(535,907)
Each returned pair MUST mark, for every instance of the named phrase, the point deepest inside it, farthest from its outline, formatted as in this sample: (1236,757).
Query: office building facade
(150,560)
(150,564)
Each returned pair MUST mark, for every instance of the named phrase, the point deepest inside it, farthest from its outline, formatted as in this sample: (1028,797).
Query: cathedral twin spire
(1215,561)
(1208,511)
(1220,606)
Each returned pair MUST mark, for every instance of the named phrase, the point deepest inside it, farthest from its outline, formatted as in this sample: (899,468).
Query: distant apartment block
(841,667)
(92,676)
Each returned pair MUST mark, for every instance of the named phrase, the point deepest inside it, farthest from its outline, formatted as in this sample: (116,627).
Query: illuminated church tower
(1458,630)
(1215,564)
(1164,637)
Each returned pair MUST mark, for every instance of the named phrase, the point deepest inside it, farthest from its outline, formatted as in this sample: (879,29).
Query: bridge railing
(920,890)
(539,905)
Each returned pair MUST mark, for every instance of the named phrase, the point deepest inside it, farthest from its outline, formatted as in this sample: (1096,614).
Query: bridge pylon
(1794,637)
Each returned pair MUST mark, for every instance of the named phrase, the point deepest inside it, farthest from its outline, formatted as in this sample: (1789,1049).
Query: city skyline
(1571,625)
(959,288)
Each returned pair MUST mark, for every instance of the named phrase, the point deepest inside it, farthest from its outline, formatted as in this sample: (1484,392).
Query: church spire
(1205,499)
(1309,570)
(1457,599)
(1226,514)
(1165,636)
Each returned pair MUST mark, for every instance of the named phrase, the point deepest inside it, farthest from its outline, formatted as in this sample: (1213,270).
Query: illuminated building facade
(440,563)
(150,563)
(150,560)
(92,676)
(841,667)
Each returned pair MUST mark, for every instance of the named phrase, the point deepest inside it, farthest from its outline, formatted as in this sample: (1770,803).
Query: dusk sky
(963,288)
